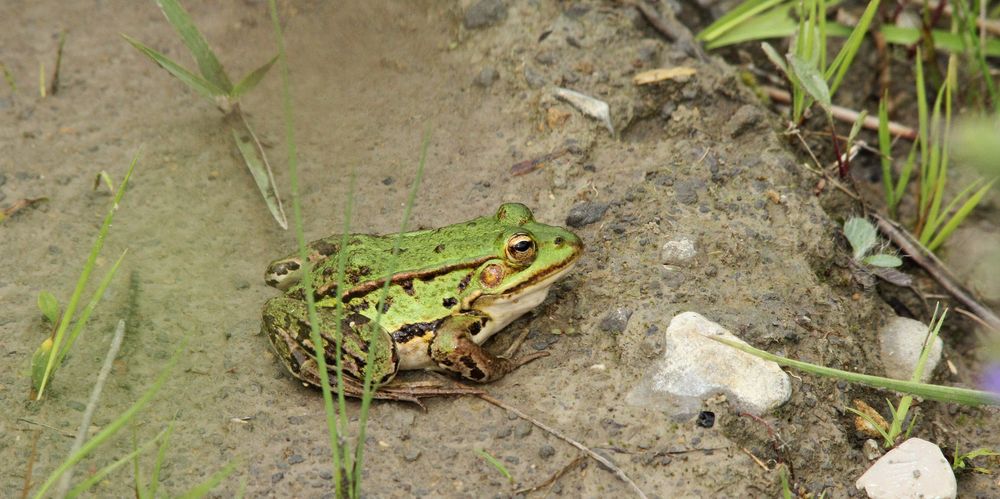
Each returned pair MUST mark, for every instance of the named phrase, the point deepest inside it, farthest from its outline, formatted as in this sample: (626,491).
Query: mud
(700,158)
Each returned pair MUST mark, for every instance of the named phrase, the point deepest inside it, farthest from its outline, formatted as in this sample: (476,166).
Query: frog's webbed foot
(454,350)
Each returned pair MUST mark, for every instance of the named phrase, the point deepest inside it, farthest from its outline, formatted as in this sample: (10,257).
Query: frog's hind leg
(454,350)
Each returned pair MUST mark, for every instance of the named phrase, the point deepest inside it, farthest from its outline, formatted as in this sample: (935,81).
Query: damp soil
(699,158)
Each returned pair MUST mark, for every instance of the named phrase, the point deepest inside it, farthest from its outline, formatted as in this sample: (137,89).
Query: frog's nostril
(559,240)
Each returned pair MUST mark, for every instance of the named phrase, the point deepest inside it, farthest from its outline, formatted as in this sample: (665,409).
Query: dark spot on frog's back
(324,248)
(439,248)
(407,286)
(474,371)
(449,302)
(464,283)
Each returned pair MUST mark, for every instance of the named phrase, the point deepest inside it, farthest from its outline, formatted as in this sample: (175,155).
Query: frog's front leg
(454,350)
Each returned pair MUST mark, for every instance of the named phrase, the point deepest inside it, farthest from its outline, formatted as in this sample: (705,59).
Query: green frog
(449,290)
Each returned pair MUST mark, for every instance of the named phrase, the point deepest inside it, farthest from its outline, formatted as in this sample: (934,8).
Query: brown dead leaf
(19,205)
(863,426)
(662,74)
(556,117)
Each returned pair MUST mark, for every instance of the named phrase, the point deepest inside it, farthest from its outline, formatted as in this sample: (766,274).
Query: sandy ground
(699,158)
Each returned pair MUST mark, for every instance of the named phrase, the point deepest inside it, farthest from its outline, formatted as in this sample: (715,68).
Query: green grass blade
(49,306)
(208,64)
(251,80)
(845,57)
(963,396)
(96,478)
(959,216)
(82,281)
(936,170)
(923,132)
(495,463)
(161,456)
(811,80)
(776,23)
(260,176)
(942,39)
(906,172)
(197,83)
(369,388)
(776,58)
(115,426)
(89,309)
(743,12)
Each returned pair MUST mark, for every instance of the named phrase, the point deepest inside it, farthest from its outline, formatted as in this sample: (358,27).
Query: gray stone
(915,468)
(616,320)
(695,368)
(546,451)
(533,78)
(586,213)
(686,192)
(901,340)
(486,77)
(677,251)
(412,455)
(485,13)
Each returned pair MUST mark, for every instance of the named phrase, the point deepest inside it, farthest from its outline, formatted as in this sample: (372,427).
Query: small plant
(494,462)
(214,84)
(861,235)
(961,462)
(51,353)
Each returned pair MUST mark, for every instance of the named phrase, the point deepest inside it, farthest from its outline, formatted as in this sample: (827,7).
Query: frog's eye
(521,248)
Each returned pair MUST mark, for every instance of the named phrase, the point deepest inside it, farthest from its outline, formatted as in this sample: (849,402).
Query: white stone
(915,468)
(677,251)
(901,341)
(695,368)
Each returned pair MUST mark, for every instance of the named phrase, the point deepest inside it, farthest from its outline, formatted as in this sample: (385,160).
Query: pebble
(677,251)
(686,192)
(485,13)
(533,78)
(616,320)
(522,429)
(915,468)
(585,213)
(277,477)
(502,432)
(546,451)
(486,77)
(296,459)
(695,368)
(901,340)
(411,455)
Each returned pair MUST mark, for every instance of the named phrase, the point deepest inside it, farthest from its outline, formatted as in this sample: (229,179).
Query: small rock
(277,477)
(746,117)
(695,368)
(411,455)
(871,450)
(901,341)
(502,432)
(677,251)
(616,320)
(296,459)
(388,181)
(586,213)
(916,468)
(485,13)
(546,451)
(486,77)
(522,429)
(533,78)
(686,192)
(706,419)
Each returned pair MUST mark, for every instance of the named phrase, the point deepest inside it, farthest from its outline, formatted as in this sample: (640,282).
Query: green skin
(452,288)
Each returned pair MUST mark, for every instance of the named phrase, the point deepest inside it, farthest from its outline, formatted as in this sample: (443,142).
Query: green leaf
(743,12)
(959,216)
(49,306)
(775,58)
(777,23)
(885,153)
(845,57)
(861,234)
(495,463)
(883,260)
(251,80)
(39,361)
(812,81)
(197,83)
(209,65)
(261,177)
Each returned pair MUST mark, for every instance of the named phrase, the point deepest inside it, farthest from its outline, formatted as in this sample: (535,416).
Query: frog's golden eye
(521,248)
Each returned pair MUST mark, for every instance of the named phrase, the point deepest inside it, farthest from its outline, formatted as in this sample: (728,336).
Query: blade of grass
(845,57)
(208,64)
(885,153)
(743,12)
(161,455)
(963,396)
(96,478)
(251,80)
(906,172)
(89,309)
(84,277)
(197,83)
(331,422)
(115,426)
(495,463)
(959,216)
(261,175)
(777,23)
(369,389)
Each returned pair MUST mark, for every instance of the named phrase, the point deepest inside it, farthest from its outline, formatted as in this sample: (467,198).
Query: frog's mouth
(502,309)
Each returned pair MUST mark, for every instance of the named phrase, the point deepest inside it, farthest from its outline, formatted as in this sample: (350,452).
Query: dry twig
(846,115)
(552,479)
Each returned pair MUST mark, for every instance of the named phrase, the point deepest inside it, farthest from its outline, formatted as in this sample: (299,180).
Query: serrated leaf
(208,64)
(251,80)
(811,80)
(861,234)
(883,260)
(199,84)
(49,306)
